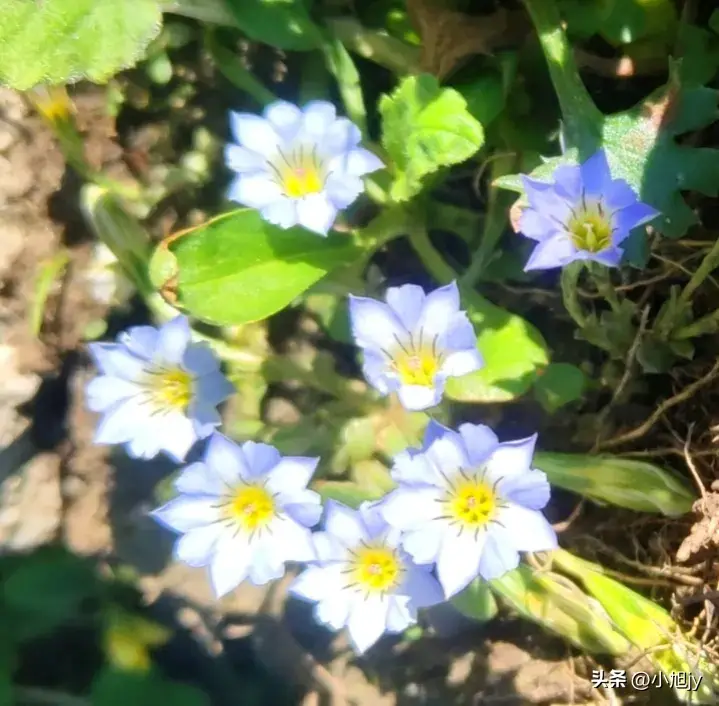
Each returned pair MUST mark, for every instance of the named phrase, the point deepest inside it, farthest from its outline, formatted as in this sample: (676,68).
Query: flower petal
(568,182)
(342,190)
(360,161)
(244,160)
(367,622)
(256,190)
(265,567)
(461,363)
(415,468)
(225,458)
(534,225)
(285,118)
(618,195)
(556,251)
(318,117)
(339,139)
(290,541)
(316,213)
(104,391)
(282,213)
(406,302)
(480,442)
(291,474)
(173,339)
(230,565)
(199,479)
(526,530)
(195,548)
(176,435)
(399,615)
(115,360)
(188,512)
(259,459)
(633,216)
(316,583)
(596,175)
(498,557)
(423,544)
(344,523)
(408,507)
(611,257)
(530,490)
(140,341)
(448,453)
(418,397)
(255,133)
(213,388)
(376,372)
(374,324)
(458,560)
(199,359)
(440,307)
(421,587)
(511,458)
(121,422)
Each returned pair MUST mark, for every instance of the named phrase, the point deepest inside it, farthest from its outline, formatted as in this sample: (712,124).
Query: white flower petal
(173,339)
(399,616)
(458,560)
(225,458)
(122,422)
(286,118)
(408,508)
(439,310)
(196,546)
(527,530)
(257,190)
(316,213)
(511,458)
(244,160)
(418,397)
(199,478)
(367,622)
(231,562)
(344,524)
(448,453)
(374,324)
(424,544)
(317,583)
(188,512)
(318,117)
(291,474)
(255,133)
(282,213)
(176,435)
(289,541)
(105,391)
(461,363)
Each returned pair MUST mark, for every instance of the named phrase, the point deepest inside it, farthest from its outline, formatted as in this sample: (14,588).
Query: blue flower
(361,580)
(469,504)
(243,512)
(157,390)
(297,165)
(414,342)
(583,215)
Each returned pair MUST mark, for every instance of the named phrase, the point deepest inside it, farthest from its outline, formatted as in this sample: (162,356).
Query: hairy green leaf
(58,41)
(425,127)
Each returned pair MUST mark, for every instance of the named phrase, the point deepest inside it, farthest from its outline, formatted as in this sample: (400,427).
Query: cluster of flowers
(464,505)
(303,166)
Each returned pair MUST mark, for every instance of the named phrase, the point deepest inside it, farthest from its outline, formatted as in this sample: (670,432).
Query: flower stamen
(472,503)
(375,569)
(250,507)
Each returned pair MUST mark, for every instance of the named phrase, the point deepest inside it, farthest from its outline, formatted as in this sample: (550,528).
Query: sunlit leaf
(425,127)
(239,268)
(476,601)
(57,41)
(558,385)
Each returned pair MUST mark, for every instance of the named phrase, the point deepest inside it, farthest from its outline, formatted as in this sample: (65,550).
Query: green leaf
(331,310)
(46,590)
(558,385)
(641,148)
(49,273)
(425,127)
(112,687)
(285,24)
(238,268)
(476,601)
(513,352)
(627,483)
(345,491)
(57,41)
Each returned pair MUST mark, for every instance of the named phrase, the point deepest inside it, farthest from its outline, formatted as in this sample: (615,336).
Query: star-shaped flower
(157,390)
(583,215)
(414,342)
(469,504)
(298,166)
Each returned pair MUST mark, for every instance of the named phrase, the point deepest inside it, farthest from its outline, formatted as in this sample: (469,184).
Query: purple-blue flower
(583,215)
(157,390)
(243,512)
(297,166)
(469,504)
(414,342)
(361,579)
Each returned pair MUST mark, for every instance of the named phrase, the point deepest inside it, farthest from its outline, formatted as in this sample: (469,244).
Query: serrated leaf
(425,127)
(238,268)
(59,41)
(285,24)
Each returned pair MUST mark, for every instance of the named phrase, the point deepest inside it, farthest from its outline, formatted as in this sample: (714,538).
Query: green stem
(582,118)
(430,257)
(603,282)
(232,69)
(570,277)
(377,46)
(708,265)
(340,65)
(705,325)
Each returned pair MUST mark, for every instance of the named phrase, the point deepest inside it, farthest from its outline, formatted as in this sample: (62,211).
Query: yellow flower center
(590,230)
(172,389)
(472,503)
(299,173)
(376,569)
(251,507)
(416,367)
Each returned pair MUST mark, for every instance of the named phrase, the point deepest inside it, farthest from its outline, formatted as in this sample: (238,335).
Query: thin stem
(705,325)
(570,277)
(582,118)
(708,265)
(603,282)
